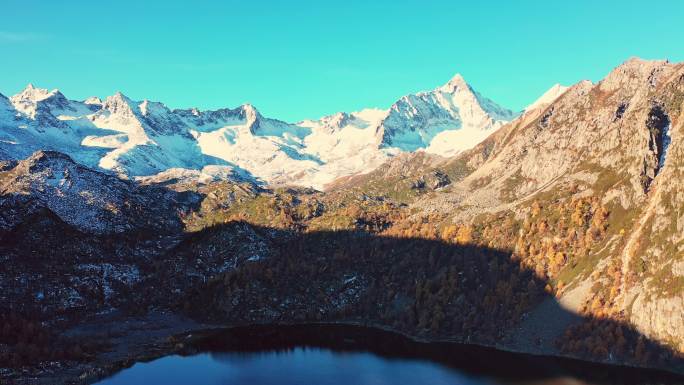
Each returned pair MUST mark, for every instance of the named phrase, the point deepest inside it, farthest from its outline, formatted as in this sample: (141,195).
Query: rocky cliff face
(85,199)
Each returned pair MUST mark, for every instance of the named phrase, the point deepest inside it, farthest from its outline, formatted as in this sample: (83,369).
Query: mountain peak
(336,121)
(251,113)
(119,95)
(458,78)
(34,94)
(93,100)
(30,88)
(29,99)
(118,103)
(414,121)
(548,97)
(635,67)
(635,72)
(636,61)
(457,82)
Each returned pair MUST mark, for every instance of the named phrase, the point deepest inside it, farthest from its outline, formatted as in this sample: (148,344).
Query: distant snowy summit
(137,139)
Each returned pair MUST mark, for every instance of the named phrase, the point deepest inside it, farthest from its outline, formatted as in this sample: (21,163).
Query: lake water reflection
(343,355)
(298,366)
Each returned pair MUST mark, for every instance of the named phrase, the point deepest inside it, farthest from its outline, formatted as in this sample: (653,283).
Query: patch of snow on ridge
(548,97)
(667,139)
(206,175)
(453,142)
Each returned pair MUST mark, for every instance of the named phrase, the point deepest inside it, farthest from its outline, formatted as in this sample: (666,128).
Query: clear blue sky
(303,59)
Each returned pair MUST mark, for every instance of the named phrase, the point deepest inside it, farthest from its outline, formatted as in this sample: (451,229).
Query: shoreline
(145,339)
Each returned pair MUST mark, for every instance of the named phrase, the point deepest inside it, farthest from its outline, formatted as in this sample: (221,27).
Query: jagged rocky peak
(414,121)
(640,67)
(119,104)
(28,100)
(339,119)
(457,82)
(212,119)
(246,112)
(34,94)
(250,112)
(190,113)
(334,122)
(30,92)
(117,98)
(632,73)
(465,95)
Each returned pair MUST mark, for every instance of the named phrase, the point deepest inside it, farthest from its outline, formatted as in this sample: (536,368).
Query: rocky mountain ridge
(616,142)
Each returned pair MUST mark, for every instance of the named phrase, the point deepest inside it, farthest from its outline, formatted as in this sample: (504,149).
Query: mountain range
(134,139)
(556,231)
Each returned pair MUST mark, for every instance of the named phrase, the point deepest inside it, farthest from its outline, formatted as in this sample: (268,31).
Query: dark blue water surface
(349,355)
(298,366)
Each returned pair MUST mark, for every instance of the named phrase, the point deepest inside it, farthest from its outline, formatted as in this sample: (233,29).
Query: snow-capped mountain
(547,97)
(432,119)
(136,139)
(444,121)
